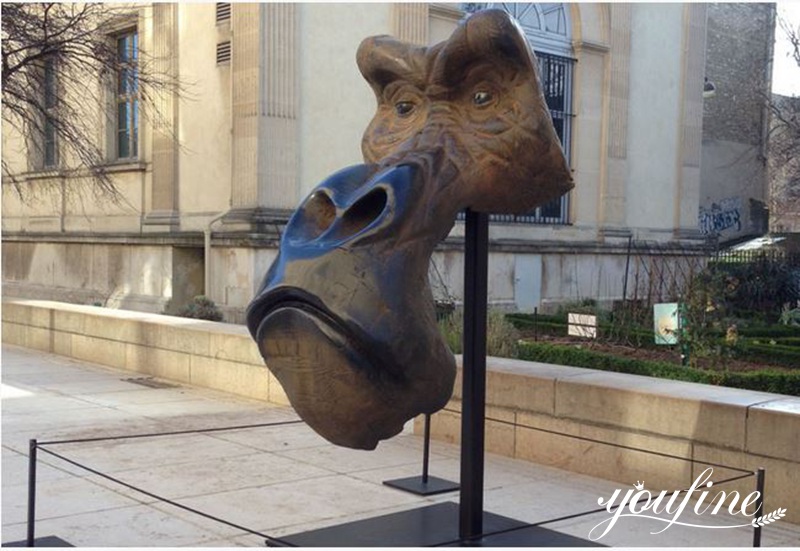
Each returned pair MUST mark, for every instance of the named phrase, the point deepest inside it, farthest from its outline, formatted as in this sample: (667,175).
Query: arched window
(547,26)
(548,30)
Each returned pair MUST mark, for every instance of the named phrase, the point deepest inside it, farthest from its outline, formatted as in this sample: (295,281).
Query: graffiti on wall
(721,216)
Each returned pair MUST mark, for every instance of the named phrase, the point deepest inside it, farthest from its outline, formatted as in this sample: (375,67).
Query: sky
(785,72)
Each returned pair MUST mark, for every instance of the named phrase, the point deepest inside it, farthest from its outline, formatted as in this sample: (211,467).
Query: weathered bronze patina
(345,316)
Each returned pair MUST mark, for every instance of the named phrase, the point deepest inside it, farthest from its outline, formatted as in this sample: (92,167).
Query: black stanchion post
(473,405)
(759,506)
(426,448)
(424,485)
(32,449)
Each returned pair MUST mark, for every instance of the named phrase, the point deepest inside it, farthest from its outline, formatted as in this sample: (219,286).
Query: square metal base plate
(46,541)
(432,525)
(414,484)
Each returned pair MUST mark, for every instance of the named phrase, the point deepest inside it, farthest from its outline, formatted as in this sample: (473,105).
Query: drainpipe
(207,254)
(766,114)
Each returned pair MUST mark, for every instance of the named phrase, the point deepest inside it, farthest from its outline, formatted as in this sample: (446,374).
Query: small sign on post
(582,325)
(666,323)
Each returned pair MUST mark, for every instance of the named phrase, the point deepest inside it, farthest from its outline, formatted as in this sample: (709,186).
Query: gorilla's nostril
(362,213)
(318,213)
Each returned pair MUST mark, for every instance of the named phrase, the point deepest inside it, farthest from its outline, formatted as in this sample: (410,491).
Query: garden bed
(666,354)
(619,359)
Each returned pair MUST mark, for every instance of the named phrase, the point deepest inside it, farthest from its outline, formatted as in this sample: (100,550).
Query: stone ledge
(595,422)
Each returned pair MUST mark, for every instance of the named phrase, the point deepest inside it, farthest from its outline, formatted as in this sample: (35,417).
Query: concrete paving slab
(42,401)
(64,497)
(217,475)
(15,469)
(345,460)
(447,468)
(133,526)
(300,502)
(273,439)
(146,453)
(128,396)
(275,480)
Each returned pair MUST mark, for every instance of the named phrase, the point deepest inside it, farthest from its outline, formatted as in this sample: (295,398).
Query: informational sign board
(582,325)
(666,323)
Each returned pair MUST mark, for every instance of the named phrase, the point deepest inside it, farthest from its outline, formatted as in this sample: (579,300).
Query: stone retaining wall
(203,353)
(577,419)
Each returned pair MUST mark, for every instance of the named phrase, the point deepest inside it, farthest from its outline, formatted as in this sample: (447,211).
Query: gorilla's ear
(488,35)
(493,37)
(384,59)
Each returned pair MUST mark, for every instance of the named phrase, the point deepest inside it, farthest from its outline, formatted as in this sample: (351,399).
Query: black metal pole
(32,449)
(627,266)
(759,505)
(426,448)
(473,404)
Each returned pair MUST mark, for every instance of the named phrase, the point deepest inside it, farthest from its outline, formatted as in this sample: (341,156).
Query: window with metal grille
(556,75)
(223,11)
(223,52)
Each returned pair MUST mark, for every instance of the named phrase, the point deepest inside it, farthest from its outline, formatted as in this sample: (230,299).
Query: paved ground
(277,480)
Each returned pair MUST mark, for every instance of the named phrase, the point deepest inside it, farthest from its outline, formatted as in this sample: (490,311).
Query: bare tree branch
(75,42)
(784,144)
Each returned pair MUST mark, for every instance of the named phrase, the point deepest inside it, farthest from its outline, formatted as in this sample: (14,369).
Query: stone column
(612,215)
(687,194)
(410,23)
(264,114)
(245,70)
(278,126)
(163,214)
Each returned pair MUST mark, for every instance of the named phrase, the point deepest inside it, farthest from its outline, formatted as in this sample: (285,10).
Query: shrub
(502,337)
(790,316)
(201,307)
(770,351)
(781,382)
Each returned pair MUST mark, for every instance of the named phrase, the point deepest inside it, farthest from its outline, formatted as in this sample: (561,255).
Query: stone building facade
(734,191)
(276,104)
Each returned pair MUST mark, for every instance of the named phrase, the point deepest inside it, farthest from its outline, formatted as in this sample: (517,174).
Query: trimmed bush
(202,308)
(778,354)
(780,382)
(769,331)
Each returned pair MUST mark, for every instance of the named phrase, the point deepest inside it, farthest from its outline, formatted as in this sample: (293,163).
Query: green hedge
(787,343)
(767,380)
(769,331)
(557,325)
(785,352)
(778,354)
(792,342)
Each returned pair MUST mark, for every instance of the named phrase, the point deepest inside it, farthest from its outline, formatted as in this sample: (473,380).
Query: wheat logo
(767,519)
(641,503)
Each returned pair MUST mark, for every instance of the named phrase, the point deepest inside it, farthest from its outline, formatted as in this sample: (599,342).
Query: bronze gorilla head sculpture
(345,316)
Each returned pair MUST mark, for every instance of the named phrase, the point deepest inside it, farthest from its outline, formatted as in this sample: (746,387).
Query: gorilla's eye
(404,108)
(482,98)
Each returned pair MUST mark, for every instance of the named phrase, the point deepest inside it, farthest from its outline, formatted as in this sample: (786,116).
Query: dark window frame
(49,134)
(126,96)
